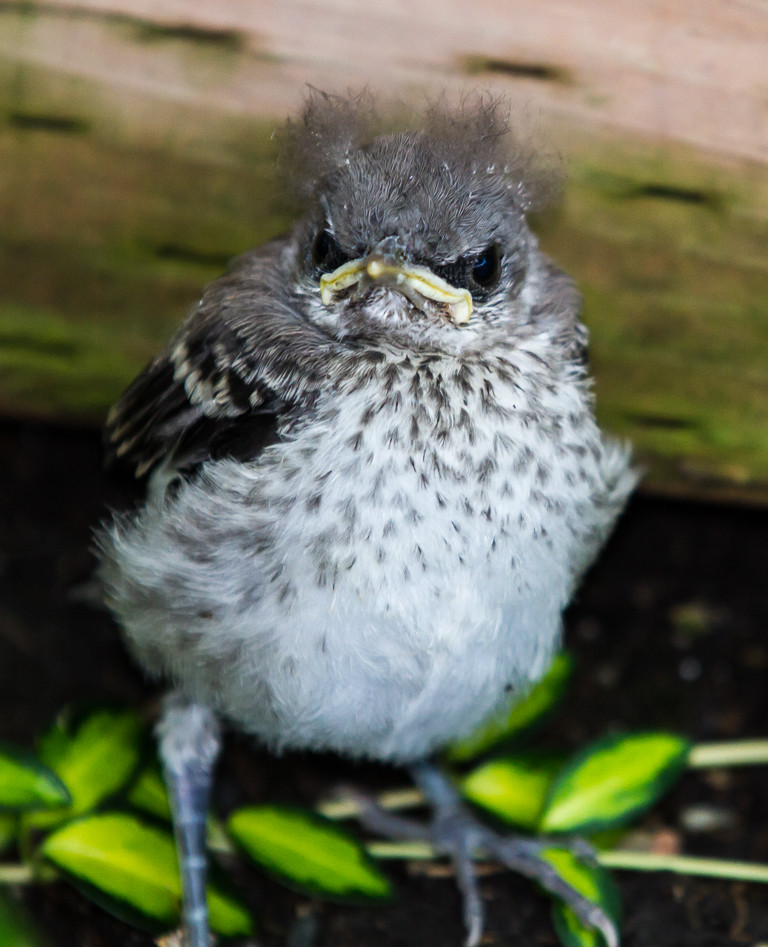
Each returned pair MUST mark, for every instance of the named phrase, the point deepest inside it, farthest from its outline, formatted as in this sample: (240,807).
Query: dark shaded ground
(669,631)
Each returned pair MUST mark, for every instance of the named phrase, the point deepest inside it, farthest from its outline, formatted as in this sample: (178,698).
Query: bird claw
(456,833)
(460,836)
(523,855)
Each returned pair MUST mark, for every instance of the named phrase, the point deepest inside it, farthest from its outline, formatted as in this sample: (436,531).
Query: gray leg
(189,741)
(458,834)
(452,831)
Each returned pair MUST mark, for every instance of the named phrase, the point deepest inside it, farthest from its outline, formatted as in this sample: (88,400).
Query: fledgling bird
(375,476)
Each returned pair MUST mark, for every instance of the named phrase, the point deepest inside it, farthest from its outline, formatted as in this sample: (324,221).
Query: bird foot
(456,833)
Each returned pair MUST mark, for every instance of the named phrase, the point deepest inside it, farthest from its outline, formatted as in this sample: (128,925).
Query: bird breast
(385,578)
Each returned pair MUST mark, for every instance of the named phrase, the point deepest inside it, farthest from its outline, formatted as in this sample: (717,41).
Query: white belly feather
(375,586)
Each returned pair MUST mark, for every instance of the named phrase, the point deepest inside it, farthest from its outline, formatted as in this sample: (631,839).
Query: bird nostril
(391,247)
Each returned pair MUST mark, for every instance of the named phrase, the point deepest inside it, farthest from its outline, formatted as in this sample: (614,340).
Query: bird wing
(243,366)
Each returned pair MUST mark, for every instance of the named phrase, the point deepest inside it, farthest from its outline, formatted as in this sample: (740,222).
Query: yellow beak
(416,282)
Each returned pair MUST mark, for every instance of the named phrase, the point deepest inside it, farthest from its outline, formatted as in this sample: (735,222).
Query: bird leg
(456,832)
(189,741)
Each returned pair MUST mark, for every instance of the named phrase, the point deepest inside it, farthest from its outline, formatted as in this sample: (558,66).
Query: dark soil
(669,631)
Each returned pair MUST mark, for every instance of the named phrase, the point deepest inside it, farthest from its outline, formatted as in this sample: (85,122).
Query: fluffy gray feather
(377,514)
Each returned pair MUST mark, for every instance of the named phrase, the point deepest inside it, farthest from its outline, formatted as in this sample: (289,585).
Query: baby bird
(375,475)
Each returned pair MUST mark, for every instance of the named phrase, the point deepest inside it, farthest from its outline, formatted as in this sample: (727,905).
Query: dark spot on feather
(390,377)
(465,422)
(505,372)
(374,356)
(239,391)
(523,460)
(485,468)
(286,591)
(463,378)
(347,510)
(312,505)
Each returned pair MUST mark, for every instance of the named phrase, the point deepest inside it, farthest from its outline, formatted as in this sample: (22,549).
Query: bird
(374,473)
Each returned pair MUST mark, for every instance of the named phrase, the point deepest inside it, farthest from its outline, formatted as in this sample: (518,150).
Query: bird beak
(417,283)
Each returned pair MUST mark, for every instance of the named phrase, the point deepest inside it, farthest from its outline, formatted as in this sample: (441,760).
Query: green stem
(732,753)
(633,861)
(411,851)
(16,874)
(685,865)
(347,807)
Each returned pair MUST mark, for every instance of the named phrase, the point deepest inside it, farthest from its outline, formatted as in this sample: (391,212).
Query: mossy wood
(136,158)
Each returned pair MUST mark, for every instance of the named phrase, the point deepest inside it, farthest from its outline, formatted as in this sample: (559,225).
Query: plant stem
(348,807)
(685,865)
(632,861)
(16,874)
(412,851)
(732,753)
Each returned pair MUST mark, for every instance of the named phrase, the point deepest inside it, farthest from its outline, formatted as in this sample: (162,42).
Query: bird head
(417,236)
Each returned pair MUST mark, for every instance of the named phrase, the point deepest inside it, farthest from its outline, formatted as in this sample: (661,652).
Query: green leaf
(16,927)
(8,830)
(135,864)
(25,783)
(613,780)
(125,858)
(228,915)
(595,884)
(513,788)
(308,851)
(94,758)
(149,794)
(540,700)
(570,931)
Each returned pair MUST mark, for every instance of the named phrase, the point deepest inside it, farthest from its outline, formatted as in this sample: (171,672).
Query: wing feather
(242,368)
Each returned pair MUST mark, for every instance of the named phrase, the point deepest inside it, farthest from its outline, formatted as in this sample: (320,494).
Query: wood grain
(136,157)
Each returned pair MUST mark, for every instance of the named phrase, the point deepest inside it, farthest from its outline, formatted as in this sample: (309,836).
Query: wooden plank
(136,156)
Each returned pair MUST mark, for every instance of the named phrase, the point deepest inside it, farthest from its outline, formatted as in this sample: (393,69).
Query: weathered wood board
(136,157)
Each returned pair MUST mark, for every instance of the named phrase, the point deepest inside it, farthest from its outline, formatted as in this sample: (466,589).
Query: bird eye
(486,268)
(326,253)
